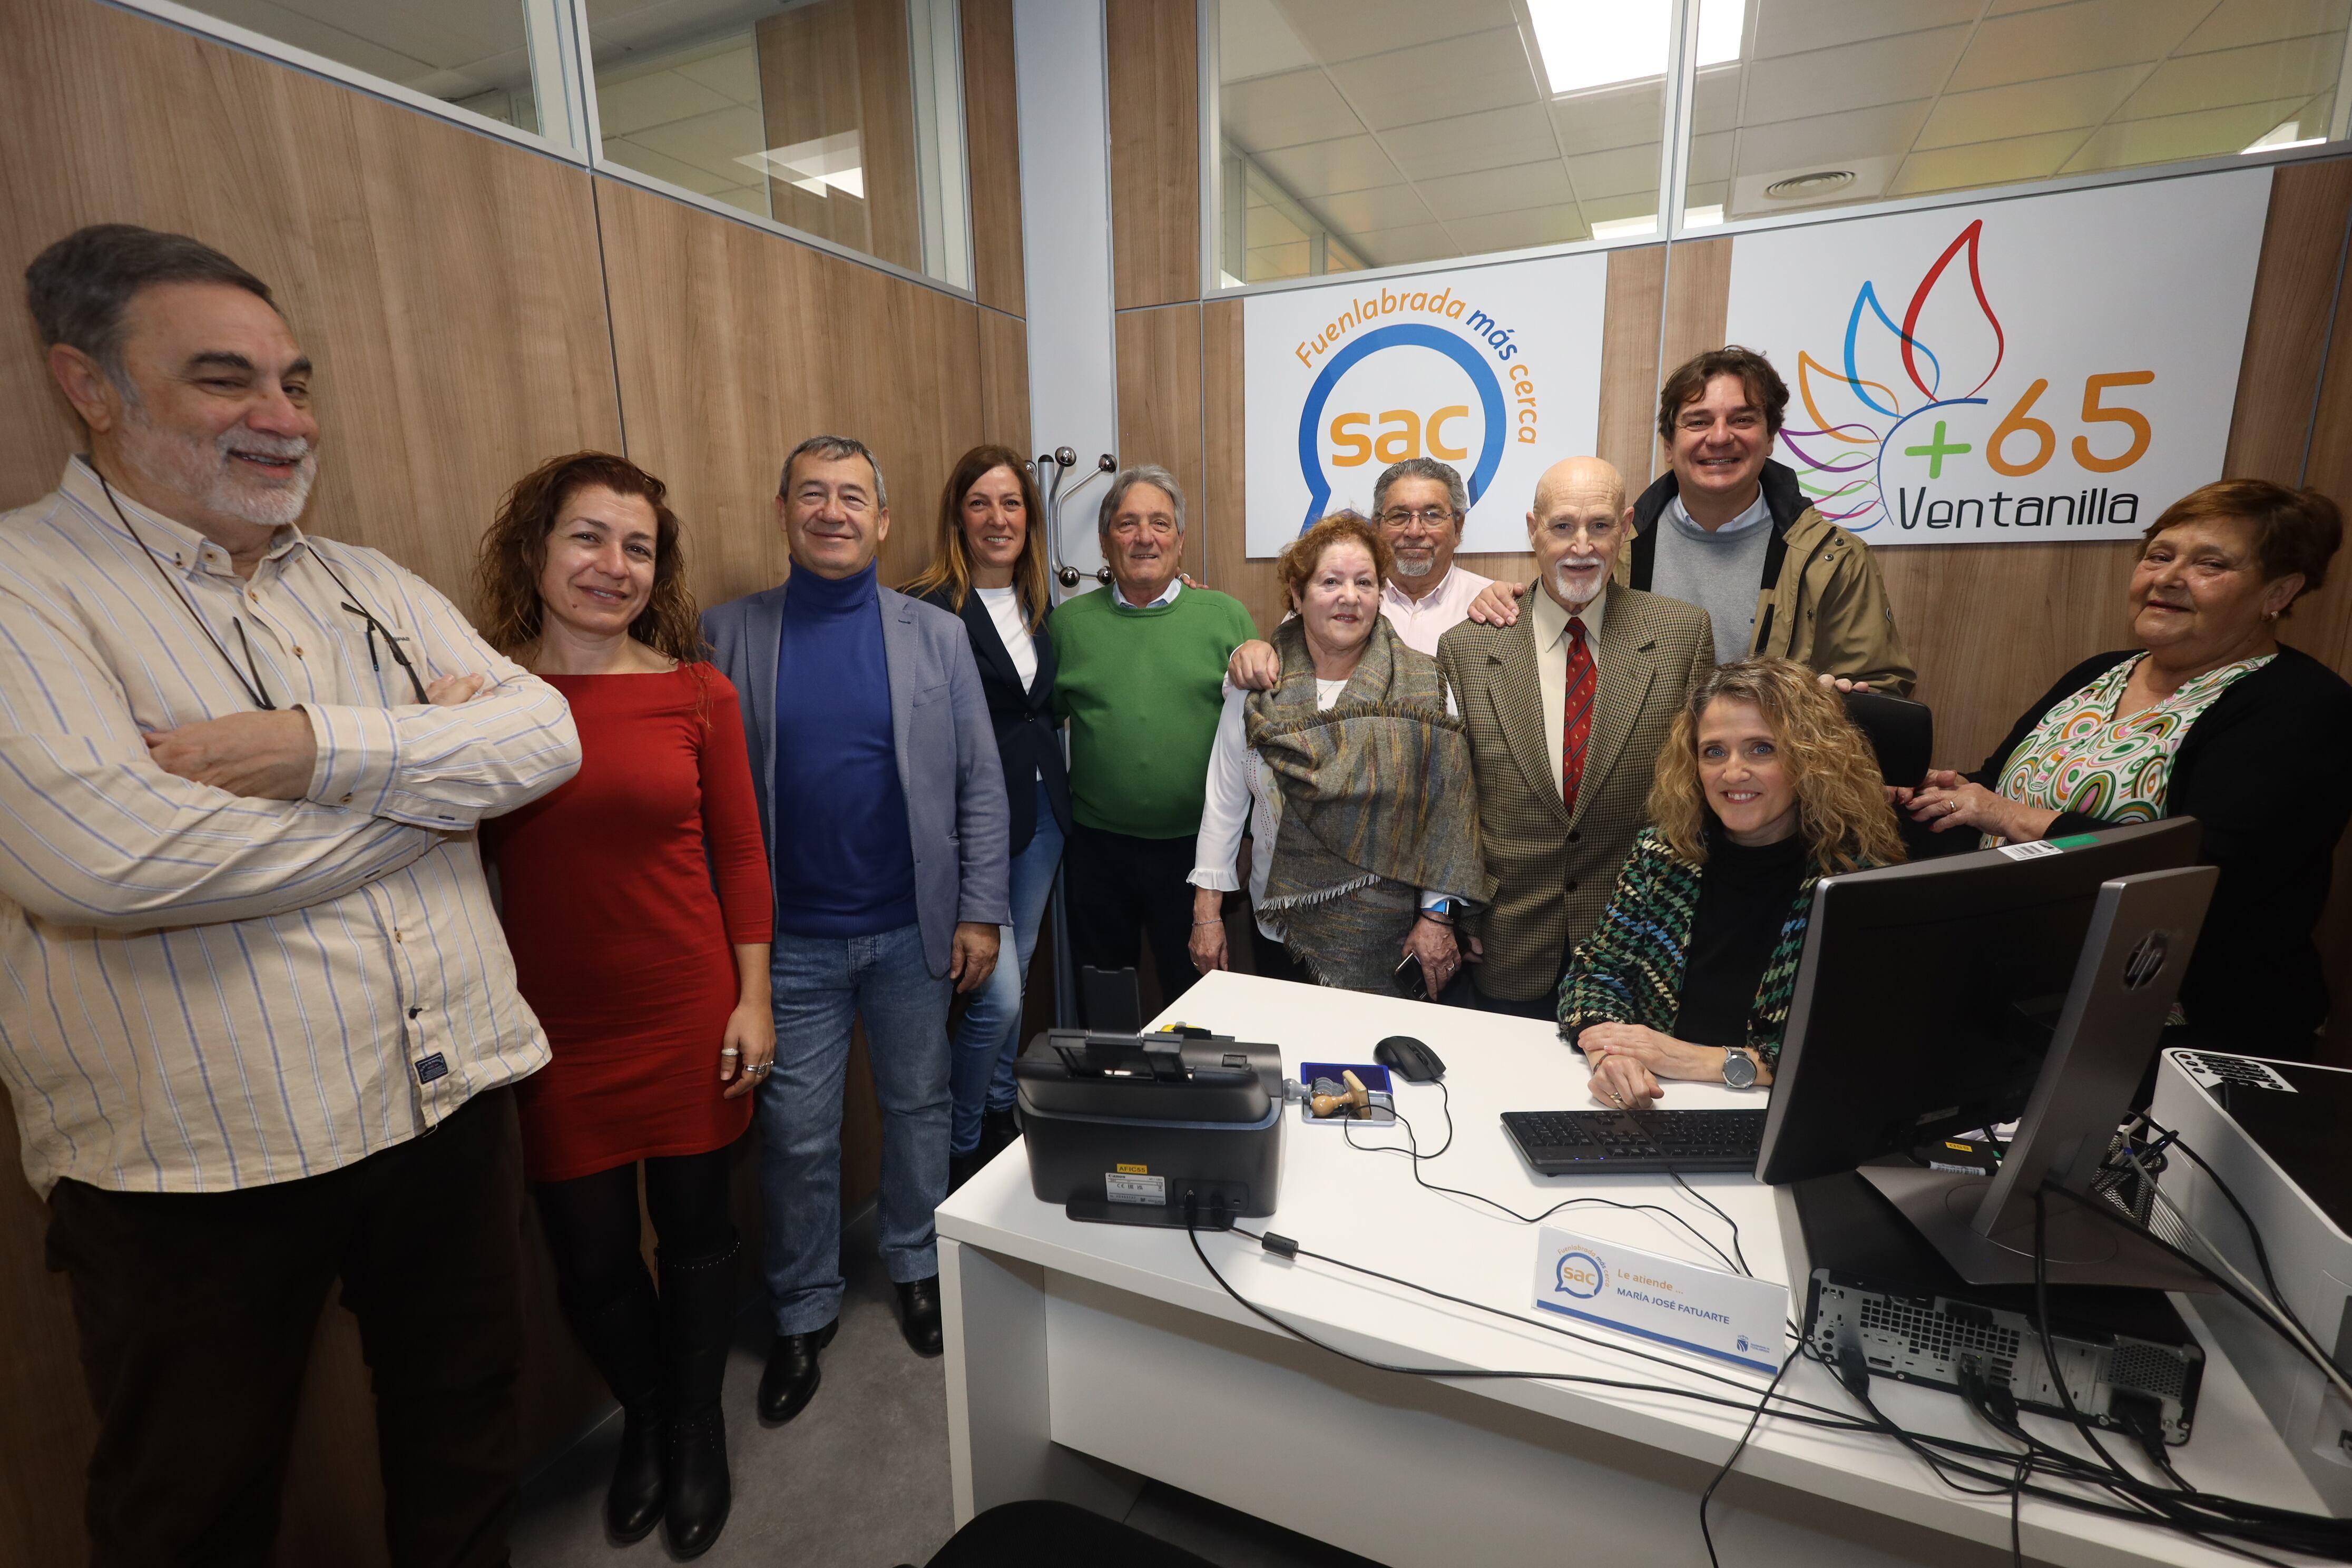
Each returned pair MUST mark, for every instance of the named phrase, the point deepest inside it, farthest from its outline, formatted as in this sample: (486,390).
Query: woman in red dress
(637,902)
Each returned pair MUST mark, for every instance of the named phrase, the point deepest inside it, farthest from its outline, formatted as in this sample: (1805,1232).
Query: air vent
(1808,187)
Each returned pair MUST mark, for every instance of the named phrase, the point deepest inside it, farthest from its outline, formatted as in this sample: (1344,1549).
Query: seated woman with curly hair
(1764,787)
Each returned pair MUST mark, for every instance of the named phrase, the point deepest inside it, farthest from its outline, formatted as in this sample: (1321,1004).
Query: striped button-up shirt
(200,991)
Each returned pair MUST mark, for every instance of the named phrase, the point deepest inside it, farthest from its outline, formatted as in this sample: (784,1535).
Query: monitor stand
(2142,932)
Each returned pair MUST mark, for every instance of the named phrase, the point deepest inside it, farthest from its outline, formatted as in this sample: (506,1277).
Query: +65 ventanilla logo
(1450,385)
(1913,424)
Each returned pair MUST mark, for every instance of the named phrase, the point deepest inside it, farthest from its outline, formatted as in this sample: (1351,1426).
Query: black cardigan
(1026,736)
(2265,771)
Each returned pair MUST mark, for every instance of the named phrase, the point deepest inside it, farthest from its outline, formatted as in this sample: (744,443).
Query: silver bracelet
(1218,922)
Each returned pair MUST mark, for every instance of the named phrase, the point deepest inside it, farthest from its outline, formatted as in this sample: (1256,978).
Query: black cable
(1726,1218)
(1739,1449)
(1347,1130)
(2253,1234)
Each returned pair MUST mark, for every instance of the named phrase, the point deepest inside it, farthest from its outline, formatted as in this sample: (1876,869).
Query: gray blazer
(948,767)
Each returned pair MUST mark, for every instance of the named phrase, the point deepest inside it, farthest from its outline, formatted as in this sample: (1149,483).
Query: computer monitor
(2024,981)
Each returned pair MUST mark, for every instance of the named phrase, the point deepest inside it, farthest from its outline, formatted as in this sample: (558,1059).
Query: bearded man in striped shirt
(251,957)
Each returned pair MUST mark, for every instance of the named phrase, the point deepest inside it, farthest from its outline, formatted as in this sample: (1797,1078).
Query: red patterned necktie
(1576,727)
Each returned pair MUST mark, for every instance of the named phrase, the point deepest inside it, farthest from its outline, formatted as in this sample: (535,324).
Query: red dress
(621,944)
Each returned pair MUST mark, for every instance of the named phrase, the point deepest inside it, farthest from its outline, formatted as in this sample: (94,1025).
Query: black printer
(1178,1128)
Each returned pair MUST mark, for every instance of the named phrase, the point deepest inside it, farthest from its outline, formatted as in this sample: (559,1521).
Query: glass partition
(1374,134)
(502,60)
(840,118)
(1833,102)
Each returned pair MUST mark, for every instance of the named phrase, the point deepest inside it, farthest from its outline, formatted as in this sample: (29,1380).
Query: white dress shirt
(1119,601)
(1012,630)
(210,991)
(1420,622)
(1552,668)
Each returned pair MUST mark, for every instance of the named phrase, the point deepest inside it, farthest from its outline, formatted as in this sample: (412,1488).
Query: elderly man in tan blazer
(1566,710)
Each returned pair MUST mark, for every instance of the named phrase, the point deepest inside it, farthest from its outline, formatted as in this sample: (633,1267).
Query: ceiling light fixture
(1588,44)
(2285,134)
(828,163)
(1624,227)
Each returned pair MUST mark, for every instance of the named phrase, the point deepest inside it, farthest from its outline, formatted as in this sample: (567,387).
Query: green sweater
(1142,691)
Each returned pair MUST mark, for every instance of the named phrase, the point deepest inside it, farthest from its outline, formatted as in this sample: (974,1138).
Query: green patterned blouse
(1630,970)
(2082,759)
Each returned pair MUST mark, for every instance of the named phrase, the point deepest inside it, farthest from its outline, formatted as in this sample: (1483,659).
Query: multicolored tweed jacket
(1630,970)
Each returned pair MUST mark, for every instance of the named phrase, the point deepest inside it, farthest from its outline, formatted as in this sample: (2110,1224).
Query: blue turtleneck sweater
(844,860)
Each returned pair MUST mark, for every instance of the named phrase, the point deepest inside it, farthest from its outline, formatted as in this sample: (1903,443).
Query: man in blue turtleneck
(884,806)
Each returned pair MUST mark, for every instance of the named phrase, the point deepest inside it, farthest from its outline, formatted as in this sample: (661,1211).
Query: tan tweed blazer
(1552,871)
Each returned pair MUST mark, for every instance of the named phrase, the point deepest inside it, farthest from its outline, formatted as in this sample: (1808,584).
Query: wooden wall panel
(835,67)
(1155,152)
(1159,409)
(2295,286)
(1003,380)
(991,118)
(1629,363)
(1224,562)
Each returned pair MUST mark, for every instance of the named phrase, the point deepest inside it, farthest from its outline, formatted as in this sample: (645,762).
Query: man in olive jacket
(1730,530)
(1566,710)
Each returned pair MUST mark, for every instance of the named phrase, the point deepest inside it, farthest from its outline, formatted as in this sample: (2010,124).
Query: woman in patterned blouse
(1763,788)
(2211,718)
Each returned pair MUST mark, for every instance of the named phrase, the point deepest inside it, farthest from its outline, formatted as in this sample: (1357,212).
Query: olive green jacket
(1820,602)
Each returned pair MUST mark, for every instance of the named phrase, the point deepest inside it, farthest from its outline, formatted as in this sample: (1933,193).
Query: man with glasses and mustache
(1566,710)
(1420,506)
(255,961)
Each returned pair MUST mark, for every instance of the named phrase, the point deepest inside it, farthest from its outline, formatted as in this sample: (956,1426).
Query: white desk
(1111,1342)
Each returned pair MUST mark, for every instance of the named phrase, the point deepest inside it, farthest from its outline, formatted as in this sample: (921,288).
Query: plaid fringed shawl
(1630,970)
(1371,800)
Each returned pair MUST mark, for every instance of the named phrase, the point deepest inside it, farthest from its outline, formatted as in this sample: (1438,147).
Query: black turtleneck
(1744,896)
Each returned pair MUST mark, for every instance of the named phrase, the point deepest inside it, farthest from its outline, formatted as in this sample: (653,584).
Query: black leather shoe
(963,1168)
(633,1503)
(694,1451)
(791,1380)
(919,1314)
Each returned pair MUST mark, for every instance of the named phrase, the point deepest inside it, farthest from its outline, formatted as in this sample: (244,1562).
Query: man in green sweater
(1142,668)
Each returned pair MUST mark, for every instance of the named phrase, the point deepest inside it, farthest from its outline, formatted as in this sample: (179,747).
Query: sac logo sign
(2052,368)
(1493,369)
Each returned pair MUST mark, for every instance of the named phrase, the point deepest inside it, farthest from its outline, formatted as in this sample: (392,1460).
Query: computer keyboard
(1612,1142)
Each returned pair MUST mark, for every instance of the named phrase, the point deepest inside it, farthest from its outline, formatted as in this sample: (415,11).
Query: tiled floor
(860,1479)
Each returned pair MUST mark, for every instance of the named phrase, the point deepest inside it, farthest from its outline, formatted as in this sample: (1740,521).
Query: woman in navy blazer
(988,568)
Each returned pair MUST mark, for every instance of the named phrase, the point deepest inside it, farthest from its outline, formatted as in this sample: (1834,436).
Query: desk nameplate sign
(1669,1300)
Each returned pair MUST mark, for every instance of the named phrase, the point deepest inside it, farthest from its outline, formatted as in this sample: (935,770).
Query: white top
(1552,665)
(1013,628)
(1236,792)
(1119,601)
(1420,622)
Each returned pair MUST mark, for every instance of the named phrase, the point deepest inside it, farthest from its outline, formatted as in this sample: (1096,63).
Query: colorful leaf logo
(1949,340)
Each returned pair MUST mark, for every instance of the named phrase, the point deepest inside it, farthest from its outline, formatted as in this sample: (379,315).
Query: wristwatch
(1738,1068)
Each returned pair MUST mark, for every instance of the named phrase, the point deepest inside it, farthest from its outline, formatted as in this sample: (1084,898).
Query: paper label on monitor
(1670,1299)
(2032,849)
(1121,1189)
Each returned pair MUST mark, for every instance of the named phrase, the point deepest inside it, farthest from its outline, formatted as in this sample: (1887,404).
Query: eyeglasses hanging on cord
(249,674)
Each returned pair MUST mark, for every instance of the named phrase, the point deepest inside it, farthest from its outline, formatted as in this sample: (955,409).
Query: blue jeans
(990,1036)
(821,983)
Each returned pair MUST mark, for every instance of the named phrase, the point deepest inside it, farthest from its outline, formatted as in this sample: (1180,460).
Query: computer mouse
(1410,1057)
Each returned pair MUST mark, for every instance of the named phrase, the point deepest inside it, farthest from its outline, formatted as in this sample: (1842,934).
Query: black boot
(998,1132)
(623,1338)
(919,1314)
(698,1300)
(793,1372)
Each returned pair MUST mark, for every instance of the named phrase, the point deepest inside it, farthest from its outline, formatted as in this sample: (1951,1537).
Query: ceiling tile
(2259,73)
(1555,225)
(2208,133)
(1603,209)
(711,141)
(1277,261)
(2063,41)
(2028,107)
(1439,81)
(1831,140)
(658,98)
(2004,161)
(2240,22)
(1355,212)
(620,27)
(1614,117)
(1496,190)
(1270,226)
(1253,41)
(1488,141)
(1400,246)
(733,73)
(1284,111)
(1715,106)
(1710,157)
(1852,75)
(1620,171)
(1794,26)
(1349,29)
(631,154)
(1327,168)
